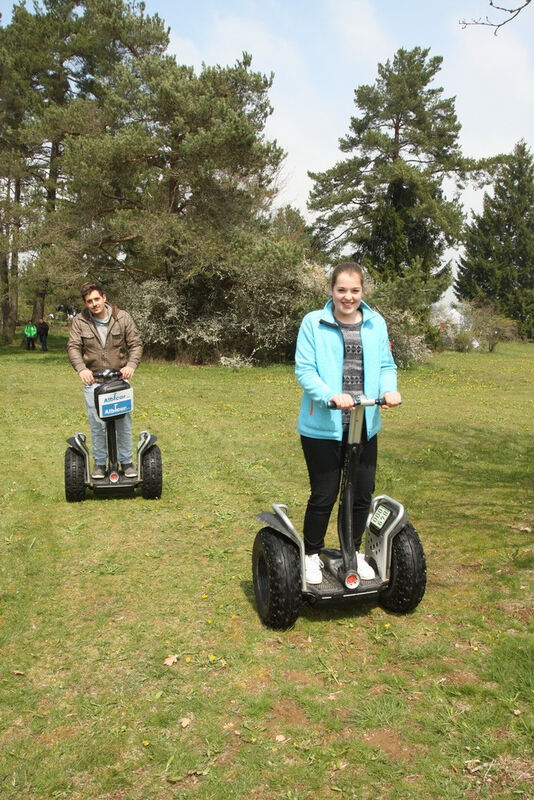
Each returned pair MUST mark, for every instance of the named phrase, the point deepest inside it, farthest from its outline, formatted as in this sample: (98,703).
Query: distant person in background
(42,333)
(30,332)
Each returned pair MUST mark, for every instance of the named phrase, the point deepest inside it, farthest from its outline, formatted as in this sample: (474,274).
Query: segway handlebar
(107,374)
(362,400)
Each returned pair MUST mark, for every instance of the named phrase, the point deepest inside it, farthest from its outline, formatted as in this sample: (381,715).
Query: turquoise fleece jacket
(319,370)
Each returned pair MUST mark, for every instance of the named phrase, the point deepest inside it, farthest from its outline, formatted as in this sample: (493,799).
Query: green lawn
(352,703)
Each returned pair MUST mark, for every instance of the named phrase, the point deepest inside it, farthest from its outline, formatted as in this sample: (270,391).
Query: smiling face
(96,303)
(347,296)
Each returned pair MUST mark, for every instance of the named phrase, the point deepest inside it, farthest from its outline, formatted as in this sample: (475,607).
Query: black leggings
(324,459)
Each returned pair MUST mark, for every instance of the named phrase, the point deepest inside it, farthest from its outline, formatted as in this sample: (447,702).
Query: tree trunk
(51,194)
(9,274)
(4,294)
(39,302)
(11,320)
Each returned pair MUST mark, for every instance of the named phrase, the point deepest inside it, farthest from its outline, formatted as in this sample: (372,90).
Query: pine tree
(385,204)
(61,56)
(498,265)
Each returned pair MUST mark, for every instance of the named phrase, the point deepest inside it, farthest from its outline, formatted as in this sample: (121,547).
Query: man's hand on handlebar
(127,372)
(86,377)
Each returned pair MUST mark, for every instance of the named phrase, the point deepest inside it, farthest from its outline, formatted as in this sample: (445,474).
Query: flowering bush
(243,311)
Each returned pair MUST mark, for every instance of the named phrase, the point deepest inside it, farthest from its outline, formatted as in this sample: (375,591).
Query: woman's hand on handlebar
(127,372)
(391,399)
(343,402)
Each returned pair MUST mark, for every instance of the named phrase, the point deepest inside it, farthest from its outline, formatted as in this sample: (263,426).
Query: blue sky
(321,50)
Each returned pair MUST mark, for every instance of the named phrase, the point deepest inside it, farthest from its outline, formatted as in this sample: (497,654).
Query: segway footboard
(332,588)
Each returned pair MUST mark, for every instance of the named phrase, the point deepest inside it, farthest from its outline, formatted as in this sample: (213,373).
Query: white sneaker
(365,570)
(314,566)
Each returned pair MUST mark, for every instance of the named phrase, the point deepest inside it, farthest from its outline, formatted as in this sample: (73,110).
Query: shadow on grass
(55,356)
(334,611)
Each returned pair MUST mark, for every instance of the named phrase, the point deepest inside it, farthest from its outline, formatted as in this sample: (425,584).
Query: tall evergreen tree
(498,265)
(65,52)
(18,102)
(385,204)
(157,180)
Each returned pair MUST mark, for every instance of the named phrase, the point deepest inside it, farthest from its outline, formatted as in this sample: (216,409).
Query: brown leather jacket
(123,344)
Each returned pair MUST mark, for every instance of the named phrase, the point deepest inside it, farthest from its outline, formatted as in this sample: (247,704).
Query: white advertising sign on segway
(112,404)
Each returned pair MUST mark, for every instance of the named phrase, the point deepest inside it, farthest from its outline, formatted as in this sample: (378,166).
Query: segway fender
(279,521)
(387,517)
(146,441)
(78,442)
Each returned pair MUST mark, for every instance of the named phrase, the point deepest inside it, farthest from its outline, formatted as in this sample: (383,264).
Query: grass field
(352,702)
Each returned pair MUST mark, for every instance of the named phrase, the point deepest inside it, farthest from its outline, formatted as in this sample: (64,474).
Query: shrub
(407,342)
(248,309)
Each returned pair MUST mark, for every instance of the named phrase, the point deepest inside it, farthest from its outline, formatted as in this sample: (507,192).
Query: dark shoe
(129,471)
(98,472)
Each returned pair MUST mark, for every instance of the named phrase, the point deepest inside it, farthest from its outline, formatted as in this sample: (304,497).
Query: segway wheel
(277,579)
(152,482)
(74,476)
(407,574)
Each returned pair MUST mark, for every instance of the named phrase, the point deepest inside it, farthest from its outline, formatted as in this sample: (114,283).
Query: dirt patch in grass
(286,712)
(517,609)
(58,734)
(256,680)
(389,741)
(457,675)
(228,755)
(378,689)
(505,773)
(300,678)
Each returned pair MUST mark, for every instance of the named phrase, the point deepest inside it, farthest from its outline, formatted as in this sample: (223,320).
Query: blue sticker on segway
(112,404)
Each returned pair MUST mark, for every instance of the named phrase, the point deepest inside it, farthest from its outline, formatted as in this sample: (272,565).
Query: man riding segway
(104,337)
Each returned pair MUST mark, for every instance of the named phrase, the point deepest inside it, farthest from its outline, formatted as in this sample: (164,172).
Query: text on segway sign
(114,403)
(380,517)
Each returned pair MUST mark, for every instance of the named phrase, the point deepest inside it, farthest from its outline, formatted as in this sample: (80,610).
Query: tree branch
(513,12)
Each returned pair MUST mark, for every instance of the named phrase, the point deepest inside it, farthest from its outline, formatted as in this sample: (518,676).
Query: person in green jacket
(30,332)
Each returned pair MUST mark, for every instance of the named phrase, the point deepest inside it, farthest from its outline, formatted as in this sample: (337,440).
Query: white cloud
(300,122)
(359,34)
(492,77)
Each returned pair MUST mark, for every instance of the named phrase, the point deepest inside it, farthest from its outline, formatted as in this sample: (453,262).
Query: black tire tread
(74,476)
(152,480)
(279,557)
(407,583)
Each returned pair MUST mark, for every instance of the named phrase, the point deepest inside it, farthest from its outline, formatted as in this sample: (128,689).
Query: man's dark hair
(91,286)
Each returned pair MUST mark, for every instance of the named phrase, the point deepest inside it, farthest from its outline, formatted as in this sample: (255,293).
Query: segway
(113,399)
(392,548)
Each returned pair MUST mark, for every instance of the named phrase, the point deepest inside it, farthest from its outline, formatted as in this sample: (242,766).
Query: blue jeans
(98,431)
